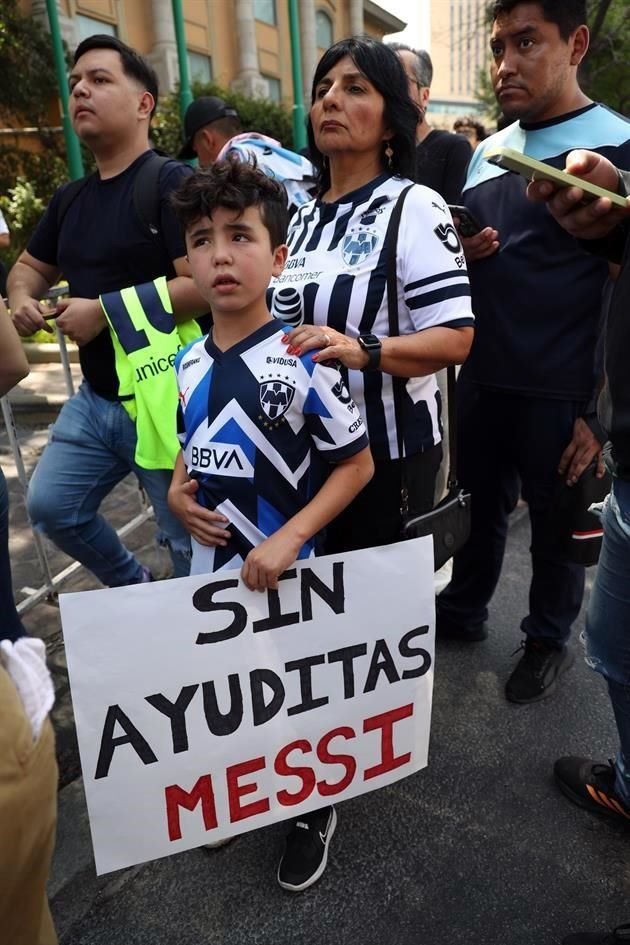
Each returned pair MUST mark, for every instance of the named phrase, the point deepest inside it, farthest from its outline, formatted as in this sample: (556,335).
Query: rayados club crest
(275,398)
(357,246)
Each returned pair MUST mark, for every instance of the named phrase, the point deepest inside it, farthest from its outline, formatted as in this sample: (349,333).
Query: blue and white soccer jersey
(336,276)
(293,170)
(257,427)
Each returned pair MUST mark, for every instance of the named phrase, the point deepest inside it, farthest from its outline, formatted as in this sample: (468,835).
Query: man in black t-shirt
(442,157)
(100,245)
(525,416)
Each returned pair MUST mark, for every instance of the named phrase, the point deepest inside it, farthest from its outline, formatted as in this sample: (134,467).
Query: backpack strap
(146,192)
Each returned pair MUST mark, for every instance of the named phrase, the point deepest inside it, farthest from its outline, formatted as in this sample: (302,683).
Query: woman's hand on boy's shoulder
(328,344)
(205,526)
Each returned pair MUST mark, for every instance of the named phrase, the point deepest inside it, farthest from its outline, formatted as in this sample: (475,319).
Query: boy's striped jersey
(258,428)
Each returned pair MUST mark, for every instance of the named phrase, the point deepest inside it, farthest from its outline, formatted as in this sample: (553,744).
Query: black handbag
(449,521)
(578,532)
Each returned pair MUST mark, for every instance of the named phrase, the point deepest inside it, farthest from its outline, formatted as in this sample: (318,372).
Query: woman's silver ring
(326,340)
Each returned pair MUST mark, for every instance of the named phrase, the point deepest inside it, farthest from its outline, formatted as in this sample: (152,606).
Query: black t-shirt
(537,301)
(441,163)
(102,246)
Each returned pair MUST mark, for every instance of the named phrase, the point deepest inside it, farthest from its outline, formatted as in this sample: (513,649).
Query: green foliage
(27,72)
(604,75)
(257,114)
(28,178)
(35,177)
(485,95)
(23,207)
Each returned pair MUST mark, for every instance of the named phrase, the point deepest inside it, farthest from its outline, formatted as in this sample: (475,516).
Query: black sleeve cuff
(595,427)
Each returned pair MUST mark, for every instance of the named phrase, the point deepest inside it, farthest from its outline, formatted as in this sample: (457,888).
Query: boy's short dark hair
(235,185)
(133,65)
(566,14)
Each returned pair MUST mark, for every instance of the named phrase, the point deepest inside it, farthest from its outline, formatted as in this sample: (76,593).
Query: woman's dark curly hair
(381,66)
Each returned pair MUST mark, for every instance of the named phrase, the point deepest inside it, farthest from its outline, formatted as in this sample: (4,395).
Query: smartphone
(468,226)
(532,169)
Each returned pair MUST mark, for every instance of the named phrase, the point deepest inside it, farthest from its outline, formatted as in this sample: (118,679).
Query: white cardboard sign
(204,710)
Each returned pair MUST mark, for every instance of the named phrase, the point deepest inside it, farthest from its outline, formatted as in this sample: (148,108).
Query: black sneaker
(620,934)
(306,853)
(445,629)
(591,784)
(537,672)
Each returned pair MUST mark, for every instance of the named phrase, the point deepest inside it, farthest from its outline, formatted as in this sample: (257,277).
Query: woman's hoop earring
(389,153)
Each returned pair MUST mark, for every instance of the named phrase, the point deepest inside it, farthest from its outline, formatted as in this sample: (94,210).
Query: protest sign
(204,710)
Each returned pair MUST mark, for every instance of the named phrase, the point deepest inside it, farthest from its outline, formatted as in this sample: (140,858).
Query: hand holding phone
(533,170)
(468,226)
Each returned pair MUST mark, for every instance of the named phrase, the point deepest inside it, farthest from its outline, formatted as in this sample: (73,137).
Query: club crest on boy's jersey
(276,398)
(357,245)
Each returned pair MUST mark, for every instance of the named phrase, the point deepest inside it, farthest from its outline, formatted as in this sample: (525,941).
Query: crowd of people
(264,254)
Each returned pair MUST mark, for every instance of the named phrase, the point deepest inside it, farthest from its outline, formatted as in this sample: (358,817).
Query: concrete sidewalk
(480,847)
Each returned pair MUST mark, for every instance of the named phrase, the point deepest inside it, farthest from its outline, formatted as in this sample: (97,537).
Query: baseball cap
(201,112)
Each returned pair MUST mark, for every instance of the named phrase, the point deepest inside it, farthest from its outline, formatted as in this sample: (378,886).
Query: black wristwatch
(372,346)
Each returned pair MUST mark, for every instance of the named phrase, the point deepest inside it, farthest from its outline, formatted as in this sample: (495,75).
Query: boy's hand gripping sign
(204,710)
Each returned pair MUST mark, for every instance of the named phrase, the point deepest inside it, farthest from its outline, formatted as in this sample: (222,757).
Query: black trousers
(508,445)
(374,517)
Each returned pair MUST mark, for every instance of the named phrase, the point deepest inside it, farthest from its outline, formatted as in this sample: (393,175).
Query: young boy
(257,425)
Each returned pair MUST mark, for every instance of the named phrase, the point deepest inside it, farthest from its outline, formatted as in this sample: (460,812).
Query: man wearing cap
(213,130)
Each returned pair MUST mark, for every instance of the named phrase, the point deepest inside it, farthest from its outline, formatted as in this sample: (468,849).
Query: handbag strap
(398,383)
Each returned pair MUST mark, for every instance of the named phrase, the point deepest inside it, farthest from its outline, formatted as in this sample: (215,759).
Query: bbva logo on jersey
(218,459)
(358,244)
(275,398)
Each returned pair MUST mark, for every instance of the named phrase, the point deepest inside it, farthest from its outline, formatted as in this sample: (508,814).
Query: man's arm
(28,282)
(266,563)
(80,319)
(13,363)
(186,301)
(595,220)
(580,453)
(5,240)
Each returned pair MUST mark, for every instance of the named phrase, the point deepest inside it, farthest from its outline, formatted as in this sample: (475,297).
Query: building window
(199,68)
(323,30)
(88,26)
(265,10)
(275,88)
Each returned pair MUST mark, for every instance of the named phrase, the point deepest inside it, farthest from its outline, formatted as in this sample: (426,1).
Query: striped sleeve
(431,264)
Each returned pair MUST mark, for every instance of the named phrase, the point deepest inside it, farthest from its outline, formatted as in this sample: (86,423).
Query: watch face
(369,342)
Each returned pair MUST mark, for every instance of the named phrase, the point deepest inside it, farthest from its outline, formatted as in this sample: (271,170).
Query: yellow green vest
(146,340)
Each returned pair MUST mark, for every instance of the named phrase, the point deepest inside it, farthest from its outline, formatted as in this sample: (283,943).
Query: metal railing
(52,582)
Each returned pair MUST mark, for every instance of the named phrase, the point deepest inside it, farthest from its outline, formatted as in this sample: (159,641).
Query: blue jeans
(607,634)
(91,449)
(10,624)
